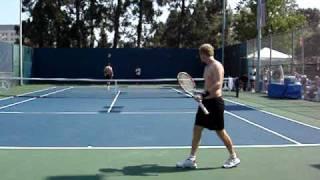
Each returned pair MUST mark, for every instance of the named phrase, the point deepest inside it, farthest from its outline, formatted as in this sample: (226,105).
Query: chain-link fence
(10,62)
(293,53)
(6,63)
(6,57)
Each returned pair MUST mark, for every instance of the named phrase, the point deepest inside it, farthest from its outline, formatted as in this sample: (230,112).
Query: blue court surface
(71,117)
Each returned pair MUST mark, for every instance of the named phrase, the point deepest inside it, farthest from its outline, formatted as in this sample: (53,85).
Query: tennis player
(213,101)
(108,73)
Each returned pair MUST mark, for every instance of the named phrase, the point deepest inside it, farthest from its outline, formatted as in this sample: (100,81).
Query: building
(8,33)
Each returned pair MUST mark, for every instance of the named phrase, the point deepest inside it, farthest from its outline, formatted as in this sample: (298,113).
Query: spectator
(265,80)
(317,84)
(244,82)
(253,79)
(236,86)
(138,72)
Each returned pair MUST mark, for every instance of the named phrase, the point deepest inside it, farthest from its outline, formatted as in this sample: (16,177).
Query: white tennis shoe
(231,162)
(188,163)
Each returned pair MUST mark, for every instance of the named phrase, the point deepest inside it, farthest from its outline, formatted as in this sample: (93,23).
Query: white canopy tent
(277,57)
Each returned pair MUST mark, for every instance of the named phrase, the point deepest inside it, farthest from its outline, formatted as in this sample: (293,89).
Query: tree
(282,16)
(48,24)
(214,11)
(180,10)
(115,13)
(171,31)
(312,17)
(103,41)
(202,24)
(143,11)
(198,26)
(78,31)
(92,17)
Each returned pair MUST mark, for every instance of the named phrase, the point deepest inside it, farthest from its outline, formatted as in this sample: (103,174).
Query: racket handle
(203,108)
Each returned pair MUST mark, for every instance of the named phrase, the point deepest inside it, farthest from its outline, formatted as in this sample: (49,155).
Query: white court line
(181,92)
(52,113)
(261,127)
(31,99)
(257,125)
(159,112)
(10,97)
(93,112)
(276,115)
(154,112)
(155,147)
(114,101)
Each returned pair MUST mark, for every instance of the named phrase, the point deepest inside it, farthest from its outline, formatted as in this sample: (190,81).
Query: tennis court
(89,89)
(137,131)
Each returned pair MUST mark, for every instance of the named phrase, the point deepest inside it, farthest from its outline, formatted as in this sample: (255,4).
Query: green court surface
(16,90)
(300,110)
(92,164)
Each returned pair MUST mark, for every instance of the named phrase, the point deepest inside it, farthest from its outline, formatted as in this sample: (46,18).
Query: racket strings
(186,82)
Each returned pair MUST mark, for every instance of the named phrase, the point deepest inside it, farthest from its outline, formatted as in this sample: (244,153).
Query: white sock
(234,155)
(192,158)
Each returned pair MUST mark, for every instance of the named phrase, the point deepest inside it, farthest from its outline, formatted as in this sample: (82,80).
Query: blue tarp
(291,91)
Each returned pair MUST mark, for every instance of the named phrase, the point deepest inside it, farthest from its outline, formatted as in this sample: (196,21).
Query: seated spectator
(244,82)
(253,79)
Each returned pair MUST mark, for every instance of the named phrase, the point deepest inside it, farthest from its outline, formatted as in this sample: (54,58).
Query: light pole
(223,30)
(257,85)
(21,46)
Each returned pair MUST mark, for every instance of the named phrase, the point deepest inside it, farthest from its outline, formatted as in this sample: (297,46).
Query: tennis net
(96,88)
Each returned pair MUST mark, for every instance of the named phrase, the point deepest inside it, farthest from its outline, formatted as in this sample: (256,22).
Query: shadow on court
(147,170)
(231,107)
(116,109)
(84,177)
(316,166)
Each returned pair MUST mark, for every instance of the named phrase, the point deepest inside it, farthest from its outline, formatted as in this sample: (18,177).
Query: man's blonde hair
(206,49)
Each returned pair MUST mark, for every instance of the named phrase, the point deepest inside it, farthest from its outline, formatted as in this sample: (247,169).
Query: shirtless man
(108,73)
(213,101)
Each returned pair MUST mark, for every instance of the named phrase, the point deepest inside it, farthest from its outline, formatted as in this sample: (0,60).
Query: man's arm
(105,71)
(111,72)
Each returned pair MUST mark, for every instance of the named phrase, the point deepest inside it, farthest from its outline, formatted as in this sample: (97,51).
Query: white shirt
(138,71)
(253,75)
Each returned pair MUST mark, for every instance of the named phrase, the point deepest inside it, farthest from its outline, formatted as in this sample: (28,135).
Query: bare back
(108,71)
(213,76)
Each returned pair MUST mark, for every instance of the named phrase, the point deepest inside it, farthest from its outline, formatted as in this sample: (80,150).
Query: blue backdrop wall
(89,63)
(155,63)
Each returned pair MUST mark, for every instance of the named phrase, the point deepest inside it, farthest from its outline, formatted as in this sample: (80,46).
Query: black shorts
(215,119)
(108,76)
(138,76)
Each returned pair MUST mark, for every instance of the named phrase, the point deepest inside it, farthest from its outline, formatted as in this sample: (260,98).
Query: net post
(116,86)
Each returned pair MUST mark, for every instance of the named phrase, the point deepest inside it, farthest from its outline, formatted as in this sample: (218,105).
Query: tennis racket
(189,86)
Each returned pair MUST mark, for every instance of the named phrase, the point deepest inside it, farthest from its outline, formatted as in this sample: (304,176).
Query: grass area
(300,110)
(16,90)
(261,163)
